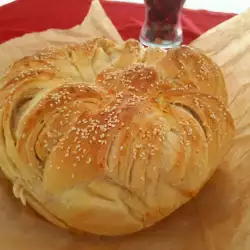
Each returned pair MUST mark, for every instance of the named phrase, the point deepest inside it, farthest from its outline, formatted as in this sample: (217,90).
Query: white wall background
(3,2)
(234,6)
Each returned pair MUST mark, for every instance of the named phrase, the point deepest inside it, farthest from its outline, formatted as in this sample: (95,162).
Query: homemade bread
(109,138)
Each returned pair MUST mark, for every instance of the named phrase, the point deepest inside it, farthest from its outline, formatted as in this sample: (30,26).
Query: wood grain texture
(217,219)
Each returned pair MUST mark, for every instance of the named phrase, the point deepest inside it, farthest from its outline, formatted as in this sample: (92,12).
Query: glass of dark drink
(162,25)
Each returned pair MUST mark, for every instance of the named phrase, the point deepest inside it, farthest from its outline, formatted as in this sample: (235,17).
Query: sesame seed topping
(123,98)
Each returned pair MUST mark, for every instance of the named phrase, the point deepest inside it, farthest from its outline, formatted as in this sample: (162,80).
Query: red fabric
(25,16)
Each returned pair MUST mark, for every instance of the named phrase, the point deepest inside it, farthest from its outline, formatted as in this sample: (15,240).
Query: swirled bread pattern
(109,139)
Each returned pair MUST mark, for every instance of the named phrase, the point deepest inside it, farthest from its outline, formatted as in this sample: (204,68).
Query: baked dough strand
(111,138)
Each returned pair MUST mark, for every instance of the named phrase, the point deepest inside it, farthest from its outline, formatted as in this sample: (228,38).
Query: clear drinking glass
(162,25)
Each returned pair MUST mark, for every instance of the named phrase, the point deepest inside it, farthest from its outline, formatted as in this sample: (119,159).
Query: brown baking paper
(218,219)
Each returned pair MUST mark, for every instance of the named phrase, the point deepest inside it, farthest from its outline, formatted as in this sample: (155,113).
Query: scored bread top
(100,132)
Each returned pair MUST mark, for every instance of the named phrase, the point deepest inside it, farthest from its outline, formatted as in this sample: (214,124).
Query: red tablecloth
(24,16)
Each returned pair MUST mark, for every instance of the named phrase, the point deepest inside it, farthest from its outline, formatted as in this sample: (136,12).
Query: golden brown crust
(99,132)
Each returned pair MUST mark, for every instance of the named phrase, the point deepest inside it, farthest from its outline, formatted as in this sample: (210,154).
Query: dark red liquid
(164,10)
(162,17)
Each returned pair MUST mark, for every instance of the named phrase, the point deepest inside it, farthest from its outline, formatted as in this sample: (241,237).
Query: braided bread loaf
(108,138)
